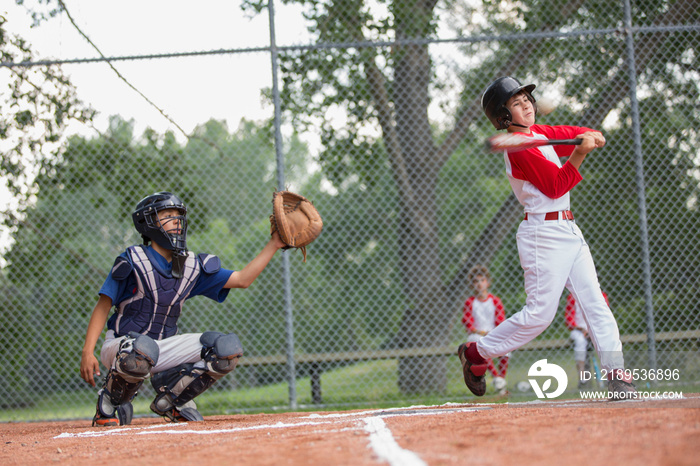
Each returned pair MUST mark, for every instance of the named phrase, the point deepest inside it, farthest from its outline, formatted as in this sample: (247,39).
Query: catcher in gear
(295,219)
(147,288)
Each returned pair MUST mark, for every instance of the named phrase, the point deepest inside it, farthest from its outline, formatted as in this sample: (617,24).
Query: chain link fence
(379,123)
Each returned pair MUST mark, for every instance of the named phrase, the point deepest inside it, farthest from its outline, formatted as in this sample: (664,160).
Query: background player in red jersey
(483,312)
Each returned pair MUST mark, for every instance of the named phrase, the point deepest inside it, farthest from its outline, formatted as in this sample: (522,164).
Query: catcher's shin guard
(137,355)
(107,414)
(176,388)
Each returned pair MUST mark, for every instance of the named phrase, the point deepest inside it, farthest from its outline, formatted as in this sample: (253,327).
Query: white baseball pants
(580,345)
(554,255)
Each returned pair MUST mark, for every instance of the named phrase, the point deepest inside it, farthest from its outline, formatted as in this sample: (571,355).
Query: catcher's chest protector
(156,306)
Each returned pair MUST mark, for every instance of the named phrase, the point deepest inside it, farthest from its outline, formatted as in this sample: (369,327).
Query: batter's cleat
(474,376)
(620,386)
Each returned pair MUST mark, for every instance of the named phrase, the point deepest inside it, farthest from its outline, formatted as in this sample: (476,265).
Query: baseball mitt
(296,220)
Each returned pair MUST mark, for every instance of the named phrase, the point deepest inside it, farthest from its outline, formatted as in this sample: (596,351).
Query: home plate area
(371,424)
(571,432)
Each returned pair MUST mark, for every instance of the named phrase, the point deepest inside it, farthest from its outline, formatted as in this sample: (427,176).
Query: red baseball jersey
(539,180)
(483,316)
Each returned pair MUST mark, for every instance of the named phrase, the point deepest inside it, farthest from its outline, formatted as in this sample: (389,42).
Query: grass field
(370,384)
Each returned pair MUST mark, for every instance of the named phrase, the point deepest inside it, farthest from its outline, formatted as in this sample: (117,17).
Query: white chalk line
(145,431)
(420,410)
(382,442)
(177,429)
(381,439)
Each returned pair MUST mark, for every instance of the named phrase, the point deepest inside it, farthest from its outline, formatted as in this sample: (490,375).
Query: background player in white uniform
(576,323)
(553,252)
(484,311)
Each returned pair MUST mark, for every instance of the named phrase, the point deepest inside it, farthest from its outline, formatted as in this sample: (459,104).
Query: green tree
(65,244)
(37,105)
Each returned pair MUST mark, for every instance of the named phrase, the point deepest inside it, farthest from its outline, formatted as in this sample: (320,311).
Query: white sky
(189,90)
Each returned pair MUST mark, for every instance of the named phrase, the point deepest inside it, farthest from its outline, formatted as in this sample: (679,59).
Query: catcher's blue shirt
(209,285)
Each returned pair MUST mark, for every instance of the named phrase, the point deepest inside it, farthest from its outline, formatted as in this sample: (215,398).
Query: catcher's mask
(146,221)
(494,99)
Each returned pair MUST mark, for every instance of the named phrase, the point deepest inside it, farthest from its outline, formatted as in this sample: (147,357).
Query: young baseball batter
(483,312)
(553,252)
(147,287)
(578,328)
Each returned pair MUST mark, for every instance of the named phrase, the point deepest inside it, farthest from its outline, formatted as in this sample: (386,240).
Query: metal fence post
(639,178)
(288,309)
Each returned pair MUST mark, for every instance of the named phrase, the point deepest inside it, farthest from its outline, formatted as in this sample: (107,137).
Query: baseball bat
(598,375)
(516,142)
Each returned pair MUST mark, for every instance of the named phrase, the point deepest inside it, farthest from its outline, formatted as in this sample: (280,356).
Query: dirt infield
(657,432)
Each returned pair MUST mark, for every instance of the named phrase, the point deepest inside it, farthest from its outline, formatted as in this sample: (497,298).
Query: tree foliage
(65,244)
(384,95)
(37,105)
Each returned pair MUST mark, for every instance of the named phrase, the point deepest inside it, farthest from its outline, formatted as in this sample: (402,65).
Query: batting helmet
(494,99)
(145,219)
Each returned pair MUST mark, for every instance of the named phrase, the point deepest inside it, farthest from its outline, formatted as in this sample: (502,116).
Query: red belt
(565,215)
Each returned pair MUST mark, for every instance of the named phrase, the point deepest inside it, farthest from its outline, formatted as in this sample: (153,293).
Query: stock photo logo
(546,372)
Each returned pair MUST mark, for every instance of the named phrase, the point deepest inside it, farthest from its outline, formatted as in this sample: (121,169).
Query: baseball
(545,106)
(523,386)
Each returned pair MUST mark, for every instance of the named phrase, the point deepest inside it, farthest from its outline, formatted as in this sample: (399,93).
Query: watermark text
(652,395)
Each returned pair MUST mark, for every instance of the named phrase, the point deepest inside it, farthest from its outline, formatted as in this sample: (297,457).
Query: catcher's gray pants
(554,255)
(176,350)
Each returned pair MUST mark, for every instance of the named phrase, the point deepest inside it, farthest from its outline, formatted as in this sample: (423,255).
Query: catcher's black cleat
(474,376)
(107,415)
(104,421)
(186,413)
